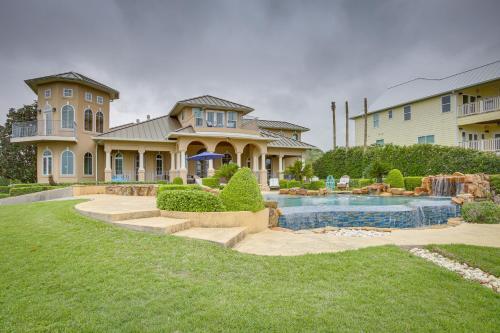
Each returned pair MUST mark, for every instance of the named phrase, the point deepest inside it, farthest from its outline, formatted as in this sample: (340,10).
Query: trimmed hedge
(415,160)
(412,182)
(5,189)
(283,183)
(294,183)
(177,181)
(189,201)
(360,182)
(173,187)
(211,182)
(481,212)
(316,185)
(4,181)
(4,195)
(395,179)
(20,190)
(242,193)
(495,183)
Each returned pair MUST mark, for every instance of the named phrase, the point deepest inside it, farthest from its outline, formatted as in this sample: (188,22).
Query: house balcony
(484,110)
(491,145)
(242,125)
(42,130)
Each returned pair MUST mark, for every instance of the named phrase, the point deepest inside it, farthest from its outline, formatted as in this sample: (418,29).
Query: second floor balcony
(491,145)
(246,124)
(483,105)
(43,130)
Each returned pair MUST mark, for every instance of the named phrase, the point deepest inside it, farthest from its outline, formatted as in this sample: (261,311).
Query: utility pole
(366,126)
(346,124)
(334,127)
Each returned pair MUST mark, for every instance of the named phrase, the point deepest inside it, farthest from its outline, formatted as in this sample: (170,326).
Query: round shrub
(412,182)
(395,179)
(294,183)
(242,192)
(177,181)
(211,182)
(481,212)
(189,201)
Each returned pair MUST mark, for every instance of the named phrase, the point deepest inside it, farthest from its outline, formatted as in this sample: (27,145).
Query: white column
(263,172)
(238,159)
(255,164)
(171,172)
(263,162)
(183,159)
(280,166)
(183,171)
(141,172)
(210,171)
(107,171)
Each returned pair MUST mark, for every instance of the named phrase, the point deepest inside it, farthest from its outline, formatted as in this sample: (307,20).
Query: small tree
(298,170)
(378,169)
(395,179)
(226,171)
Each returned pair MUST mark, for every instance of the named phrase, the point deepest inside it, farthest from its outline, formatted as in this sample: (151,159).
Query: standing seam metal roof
(215,101)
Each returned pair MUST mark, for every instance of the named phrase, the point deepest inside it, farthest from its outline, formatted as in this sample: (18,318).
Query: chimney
(137,120)
(148,117)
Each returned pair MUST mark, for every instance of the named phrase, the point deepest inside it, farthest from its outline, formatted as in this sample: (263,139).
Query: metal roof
(277,124)
(155,129)
(423,88)
(71,76)
(209,101)
(283,142)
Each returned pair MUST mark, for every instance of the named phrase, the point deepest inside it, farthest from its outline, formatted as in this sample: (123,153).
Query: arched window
(47,163)
(99,122)
(87,164)
(295,136)
(67,163)
(88,120)
(67,116)
(119,164)
(227,158)
(159,165)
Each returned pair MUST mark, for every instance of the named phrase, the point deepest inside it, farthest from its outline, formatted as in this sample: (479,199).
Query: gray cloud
(287,59)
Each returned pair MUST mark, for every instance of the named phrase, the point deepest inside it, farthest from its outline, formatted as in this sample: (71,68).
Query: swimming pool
(341,210)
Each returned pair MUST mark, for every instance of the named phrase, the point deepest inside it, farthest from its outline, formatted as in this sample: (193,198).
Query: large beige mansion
(76,144)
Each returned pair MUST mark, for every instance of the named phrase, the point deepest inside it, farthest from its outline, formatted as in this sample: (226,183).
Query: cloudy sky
(286,59)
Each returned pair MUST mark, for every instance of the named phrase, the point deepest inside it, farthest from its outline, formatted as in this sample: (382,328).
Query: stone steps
(227,237)
(158,224)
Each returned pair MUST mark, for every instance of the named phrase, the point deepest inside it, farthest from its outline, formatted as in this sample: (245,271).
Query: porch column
(171,172)
(255,163)
(280,166)
(238,158)
(107,170)
(210,171)
(183,170)
(263,171)
(141,172)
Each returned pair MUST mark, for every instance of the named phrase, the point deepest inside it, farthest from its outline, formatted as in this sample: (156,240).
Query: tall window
(389,114)
(426,139)
(159,165)
(99,122)
(198,117)
(89,117)
(446,103)
(227,158)
(375,120)
(100,99)
(67,163)
(211,119)
(231,119)
(220,119)
(88,96)
(67,92)
(67,116)
(47,93)
(119,164)
(407,112)
(47,163)
(87,164)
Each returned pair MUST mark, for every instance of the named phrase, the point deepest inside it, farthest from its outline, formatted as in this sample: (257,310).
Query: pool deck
(284,243)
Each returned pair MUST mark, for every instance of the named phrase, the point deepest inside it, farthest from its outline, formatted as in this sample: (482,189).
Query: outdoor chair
(274,183)
(343,183)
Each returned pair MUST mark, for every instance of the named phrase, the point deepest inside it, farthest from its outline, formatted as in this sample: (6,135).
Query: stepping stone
(227,237)
(162,225)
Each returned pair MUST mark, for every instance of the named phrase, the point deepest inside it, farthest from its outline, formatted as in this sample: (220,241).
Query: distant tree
(312,155)
(299,170)
(17,161)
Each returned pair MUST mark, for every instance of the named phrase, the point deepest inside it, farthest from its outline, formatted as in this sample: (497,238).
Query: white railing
(41,128)
(486,104)
(155,176)
(482,145)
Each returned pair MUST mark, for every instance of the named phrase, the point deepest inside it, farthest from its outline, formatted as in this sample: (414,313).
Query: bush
(4,189)
(481,212)
(316,185)
(412,182)
(415,160)
(210,182)
(283,183)
(395,179)
(189,201)
(4,181)
(177,181)
(226,171)
(173,187)
(20,190)
(378,169)
(294,183)
(495,183)
(365,182)
(242,192)
(4,195)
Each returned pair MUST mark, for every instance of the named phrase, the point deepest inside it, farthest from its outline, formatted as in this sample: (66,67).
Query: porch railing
(486,104)
(42,128)
(492,145)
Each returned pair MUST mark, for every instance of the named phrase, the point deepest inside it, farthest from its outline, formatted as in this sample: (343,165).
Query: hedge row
(315,185)
(415,160)
(174,187)
(4,195)
(212,182)
(15,191)
(412,182)
(290,183)
(4,189)
(189,201)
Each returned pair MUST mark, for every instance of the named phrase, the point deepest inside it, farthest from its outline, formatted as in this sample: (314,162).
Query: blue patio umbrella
(205,156)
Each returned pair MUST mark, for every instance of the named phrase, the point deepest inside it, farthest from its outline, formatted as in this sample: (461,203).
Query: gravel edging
(466,271)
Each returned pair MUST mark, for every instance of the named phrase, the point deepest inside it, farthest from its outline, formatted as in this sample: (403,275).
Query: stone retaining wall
(39,196)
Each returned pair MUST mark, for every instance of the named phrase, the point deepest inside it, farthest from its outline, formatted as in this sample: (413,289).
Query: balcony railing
(34,128)
(486,104)
(245,123)
(492,145)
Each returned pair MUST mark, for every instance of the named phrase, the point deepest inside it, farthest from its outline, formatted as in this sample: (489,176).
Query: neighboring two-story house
(76,144)
(459,110)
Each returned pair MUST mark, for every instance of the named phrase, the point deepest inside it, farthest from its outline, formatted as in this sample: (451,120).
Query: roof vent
(148,117)
(137,121)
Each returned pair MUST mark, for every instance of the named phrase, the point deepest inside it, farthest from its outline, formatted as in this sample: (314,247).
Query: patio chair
(343,183)
(274,183)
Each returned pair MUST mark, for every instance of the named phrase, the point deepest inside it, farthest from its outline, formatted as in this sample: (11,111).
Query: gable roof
(71,77)
(210,101)
(282,141)
(422,88)
(277,124)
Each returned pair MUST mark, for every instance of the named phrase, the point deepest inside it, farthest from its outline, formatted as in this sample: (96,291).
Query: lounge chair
(274,183)
(343,183)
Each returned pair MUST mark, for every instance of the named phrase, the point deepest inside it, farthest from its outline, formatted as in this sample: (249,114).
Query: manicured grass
(485,258)
(60,271)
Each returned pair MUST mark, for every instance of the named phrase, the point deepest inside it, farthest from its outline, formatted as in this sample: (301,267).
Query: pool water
(340,210)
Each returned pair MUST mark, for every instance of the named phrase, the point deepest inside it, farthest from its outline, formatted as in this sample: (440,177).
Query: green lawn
(485,258)
(60,271)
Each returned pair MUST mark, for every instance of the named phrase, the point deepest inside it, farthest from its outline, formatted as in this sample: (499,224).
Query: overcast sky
(286,59)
